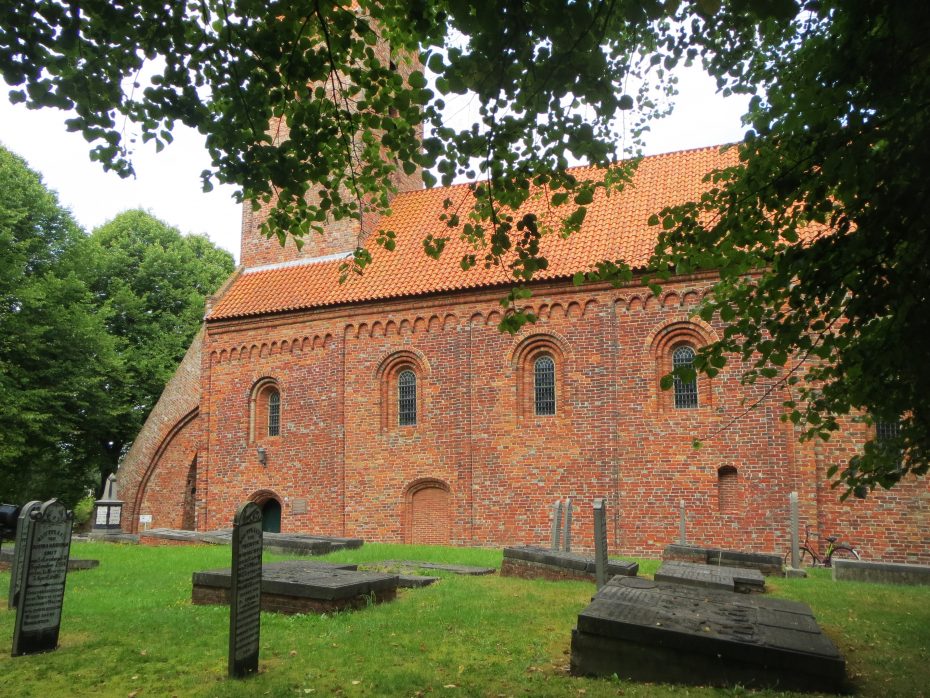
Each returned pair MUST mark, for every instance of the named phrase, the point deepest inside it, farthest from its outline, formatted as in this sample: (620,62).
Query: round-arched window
(686,393)
(407,398)
(544,385)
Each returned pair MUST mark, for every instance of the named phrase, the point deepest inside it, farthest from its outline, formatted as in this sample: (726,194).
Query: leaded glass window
(544,384)
(686,394)
(886,431)
(274,413)
(407,398)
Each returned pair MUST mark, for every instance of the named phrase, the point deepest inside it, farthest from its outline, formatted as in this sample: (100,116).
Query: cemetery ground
(129,629)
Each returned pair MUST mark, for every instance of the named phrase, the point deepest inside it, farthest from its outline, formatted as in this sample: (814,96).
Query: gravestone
(682,524)
(108,510)
(644,630)
(18,570)
(567,531)
(556,523)
(245,591)
(45,570)
(600,543)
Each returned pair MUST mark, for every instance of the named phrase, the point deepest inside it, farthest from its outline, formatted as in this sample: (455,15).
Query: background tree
(54,349)
(149,284)
(817,233)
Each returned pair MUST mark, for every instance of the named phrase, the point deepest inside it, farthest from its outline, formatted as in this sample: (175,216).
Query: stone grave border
(880,572)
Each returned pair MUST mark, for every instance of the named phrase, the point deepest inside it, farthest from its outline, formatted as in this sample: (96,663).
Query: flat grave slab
(302,586)
(530,562)
(8,553)
(880,572)
(282,543)
(657,631)
(467,570)
(711,576)
(415,581)
(768,564)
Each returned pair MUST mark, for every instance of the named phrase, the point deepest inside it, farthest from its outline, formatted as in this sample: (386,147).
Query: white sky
(168,183)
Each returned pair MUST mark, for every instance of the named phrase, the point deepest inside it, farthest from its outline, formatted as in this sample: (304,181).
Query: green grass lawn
(129,629)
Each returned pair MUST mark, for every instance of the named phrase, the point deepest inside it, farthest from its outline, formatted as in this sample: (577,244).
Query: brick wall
(164,449)
(615,434)
(341,236)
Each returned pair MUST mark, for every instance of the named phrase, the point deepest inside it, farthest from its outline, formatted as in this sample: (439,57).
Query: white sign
(145,518)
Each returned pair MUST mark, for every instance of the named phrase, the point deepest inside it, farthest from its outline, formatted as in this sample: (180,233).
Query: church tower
(340,237)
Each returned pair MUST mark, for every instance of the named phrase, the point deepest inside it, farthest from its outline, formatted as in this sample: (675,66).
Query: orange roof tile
(615,228)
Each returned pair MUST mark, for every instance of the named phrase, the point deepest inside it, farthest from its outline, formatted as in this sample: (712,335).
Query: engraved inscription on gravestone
(23,526)
(245,591)
(600,542)
(38,606)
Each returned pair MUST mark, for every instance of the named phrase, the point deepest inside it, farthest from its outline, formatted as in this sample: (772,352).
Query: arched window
(544,385)
(265,410)
(686,393)
(407,398)
(274,413)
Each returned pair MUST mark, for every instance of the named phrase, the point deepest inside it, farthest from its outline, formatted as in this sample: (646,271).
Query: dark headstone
(657,631)
(556,523)
(600,542)
(45,571)
(245,591)
(567,531)
(18,570)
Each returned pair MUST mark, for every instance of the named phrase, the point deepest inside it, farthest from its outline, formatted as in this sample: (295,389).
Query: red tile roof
(615,228)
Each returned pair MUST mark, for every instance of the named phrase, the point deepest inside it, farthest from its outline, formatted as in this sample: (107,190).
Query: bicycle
(809,557)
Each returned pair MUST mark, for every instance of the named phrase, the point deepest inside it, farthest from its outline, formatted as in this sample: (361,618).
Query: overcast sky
(168,183)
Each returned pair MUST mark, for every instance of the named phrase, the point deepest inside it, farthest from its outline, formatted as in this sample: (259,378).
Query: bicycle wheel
(805,558)
(843,551)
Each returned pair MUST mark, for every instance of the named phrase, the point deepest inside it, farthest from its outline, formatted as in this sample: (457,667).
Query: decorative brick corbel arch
(522,356)
(664,339)
(389,368)
(260,497)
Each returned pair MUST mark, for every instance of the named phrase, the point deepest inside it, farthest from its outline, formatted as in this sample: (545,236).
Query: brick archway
(428,515)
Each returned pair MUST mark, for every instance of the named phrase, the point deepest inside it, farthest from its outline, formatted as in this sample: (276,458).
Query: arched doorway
(271,510)
(429,513)
(271,516)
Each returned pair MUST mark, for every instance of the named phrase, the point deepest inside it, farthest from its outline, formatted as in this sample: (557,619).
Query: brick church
(392,408)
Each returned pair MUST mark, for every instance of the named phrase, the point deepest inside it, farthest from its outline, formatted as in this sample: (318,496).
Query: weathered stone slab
(711,576)
(530,562)
(301,586)
(468,570)
(657,631)
(415,581)
(767,564)
(282,543)
(880,572)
